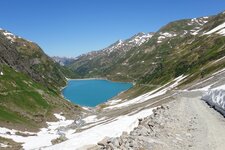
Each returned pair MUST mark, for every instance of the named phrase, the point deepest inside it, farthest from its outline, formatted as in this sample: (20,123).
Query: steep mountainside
(29,84)
(28,57)
(181,47)
(98,63)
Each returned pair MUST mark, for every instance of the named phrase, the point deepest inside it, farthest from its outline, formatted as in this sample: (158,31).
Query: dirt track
(192,125)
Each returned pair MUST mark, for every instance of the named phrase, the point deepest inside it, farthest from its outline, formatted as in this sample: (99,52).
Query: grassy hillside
(30,84)
(26,103)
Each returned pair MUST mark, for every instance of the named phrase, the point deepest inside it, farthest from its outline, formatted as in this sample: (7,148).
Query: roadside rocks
(59,139)
(141,137)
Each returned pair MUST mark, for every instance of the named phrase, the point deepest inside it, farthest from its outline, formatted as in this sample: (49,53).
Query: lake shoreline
(68,79)
(86,79)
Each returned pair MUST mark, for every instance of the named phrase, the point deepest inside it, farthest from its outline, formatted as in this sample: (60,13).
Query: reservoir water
(93,92)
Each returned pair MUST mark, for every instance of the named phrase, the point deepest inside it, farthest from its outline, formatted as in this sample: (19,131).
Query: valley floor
(185,123)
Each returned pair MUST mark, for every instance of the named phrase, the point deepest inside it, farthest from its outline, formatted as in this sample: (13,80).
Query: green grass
(6,115)
(20,97)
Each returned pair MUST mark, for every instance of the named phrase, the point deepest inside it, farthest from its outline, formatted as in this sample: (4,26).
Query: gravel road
(186,123)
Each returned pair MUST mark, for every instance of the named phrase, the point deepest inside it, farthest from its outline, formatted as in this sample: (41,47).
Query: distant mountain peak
(136,40)
(10,36)
(63,60)
(139,39)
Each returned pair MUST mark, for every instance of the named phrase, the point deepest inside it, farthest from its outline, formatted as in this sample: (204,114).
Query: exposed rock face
(27,57)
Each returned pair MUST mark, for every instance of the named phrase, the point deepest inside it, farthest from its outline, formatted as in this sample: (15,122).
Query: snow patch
(9,36)
(3,145)
(218,59)
(136,40)
(42,138)
(194,32)
(220,29)
(90,119)
(222,32)
(165,35)
(97,133)
(200,21)
(216,98)
(1,73)
(86,108)
(147,96)
(59,116)
(113,102)
(206,88)
(218,72)
(141,38)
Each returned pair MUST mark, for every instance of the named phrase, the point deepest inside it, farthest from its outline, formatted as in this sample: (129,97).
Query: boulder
(103,142)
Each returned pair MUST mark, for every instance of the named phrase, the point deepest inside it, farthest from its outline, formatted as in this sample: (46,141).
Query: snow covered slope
(220,29)
(216,98)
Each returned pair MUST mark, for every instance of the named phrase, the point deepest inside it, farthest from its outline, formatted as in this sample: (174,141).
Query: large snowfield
(91,136)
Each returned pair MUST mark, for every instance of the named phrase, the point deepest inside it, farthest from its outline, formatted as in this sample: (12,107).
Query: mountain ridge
(132,65)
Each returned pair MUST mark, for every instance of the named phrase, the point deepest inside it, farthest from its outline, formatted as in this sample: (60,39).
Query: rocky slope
(28,57)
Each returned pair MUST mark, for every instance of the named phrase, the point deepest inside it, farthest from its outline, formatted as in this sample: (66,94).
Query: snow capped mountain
(121,46)
(199,23)
(63,60)
(96,61)
(181,28)
(125,56)
(134,41)
(118,44)
(9,35)
(140,38)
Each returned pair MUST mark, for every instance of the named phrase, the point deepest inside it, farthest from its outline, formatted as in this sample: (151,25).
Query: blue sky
(73,27)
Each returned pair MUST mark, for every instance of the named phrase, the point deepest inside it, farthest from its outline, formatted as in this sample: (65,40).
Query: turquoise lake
(93,92)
